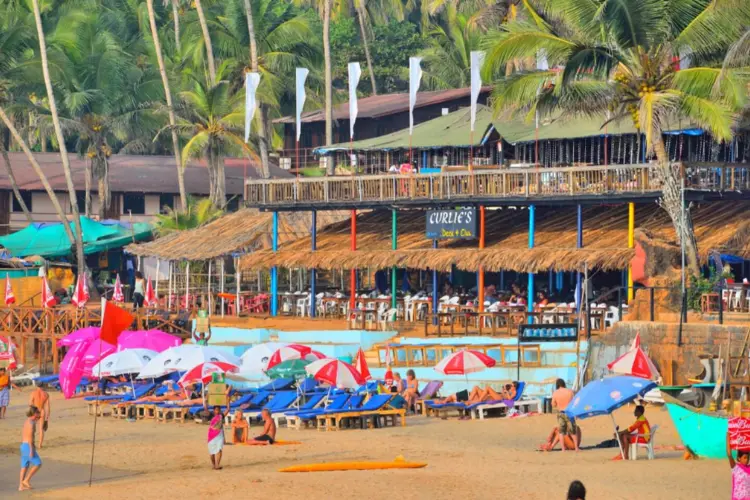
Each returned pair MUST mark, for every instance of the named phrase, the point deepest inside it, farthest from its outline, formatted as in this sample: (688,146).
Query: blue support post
(424,159)
(502,280)
(435,291)
(314,245)
(579,244)
(274,269)
(530,298)
(550,279)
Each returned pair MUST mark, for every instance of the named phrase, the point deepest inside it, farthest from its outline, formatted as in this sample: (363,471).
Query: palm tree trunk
(671,201)
(207,42)
(170,107)
(40,173)
(13,183)
(328,77)
(87,194)
(366,45)
(60,139)
(262,115)
(176,20)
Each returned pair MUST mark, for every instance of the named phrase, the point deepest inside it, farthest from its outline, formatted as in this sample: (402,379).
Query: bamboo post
(394,246)
(187,286)
(313,247)
(221,286)
(480,275)
(208,287)
(158,261)
(238,281)
(579,244)
(631,244)
(169,286)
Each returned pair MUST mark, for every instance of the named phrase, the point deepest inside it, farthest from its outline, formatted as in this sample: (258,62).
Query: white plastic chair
(388,317)
(611,317)
(736,299)
(633,452)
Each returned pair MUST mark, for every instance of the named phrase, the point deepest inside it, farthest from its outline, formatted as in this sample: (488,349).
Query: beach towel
(215,436)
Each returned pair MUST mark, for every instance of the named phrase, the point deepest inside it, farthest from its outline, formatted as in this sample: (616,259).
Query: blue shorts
(26,460)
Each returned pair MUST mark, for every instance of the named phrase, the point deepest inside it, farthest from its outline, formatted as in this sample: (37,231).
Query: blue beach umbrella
(602,397)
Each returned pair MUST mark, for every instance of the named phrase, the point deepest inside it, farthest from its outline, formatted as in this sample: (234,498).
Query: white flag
(301,76)
(354,73)
(477,60)
(251,86)
(415,77)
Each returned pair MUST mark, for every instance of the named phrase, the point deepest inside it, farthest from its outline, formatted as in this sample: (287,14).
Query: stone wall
(659,341)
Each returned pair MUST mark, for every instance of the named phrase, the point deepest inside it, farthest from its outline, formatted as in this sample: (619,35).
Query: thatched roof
(604,237)
(239,232)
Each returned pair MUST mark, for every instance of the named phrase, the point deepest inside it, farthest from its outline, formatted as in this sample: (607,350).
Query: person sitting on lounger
(239,428)
(412,389)
(269,430)
(398,384)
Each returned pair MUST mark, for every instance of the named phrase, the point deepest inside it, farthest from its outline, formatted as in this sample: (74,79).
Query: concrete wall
(659,341)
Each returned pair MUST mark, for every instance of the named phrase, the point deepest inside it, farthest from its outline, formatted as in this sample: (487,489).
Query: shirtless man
(40,399)
(269,431)
(561,398)
(29,455)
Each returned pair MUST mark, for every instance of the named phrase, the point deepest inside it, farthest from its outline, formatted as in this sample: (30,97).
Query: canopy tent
(718,225)
(239,232)
(50,239)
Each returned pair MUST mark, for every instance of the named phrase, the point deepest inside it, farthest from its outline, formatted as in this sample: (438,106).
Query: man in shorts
(29,456)
(561,398)
(39,399)
(269,430)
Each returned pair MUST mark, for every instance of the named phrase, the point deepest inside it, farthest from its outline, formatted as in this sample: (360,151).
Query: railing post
(651,294)
(721,305)
(619,302)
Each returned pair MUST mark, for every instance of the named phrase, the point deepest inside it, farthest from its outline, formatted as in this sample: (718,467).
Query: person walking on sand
(740,473)
(29,456)
(40,399)
(6,382)
(216,436)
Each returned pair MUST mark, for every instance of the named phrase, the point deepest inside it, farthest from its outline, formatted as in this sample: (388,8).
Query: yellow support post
(631,244)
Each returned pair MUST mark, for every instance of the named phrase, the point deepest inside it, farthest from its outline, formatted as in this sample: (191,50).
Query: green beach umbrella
(291,368)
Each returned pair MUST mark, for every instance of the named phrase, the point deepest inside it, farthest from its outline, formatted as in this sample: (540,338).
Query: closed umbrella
(335,373)
(360,363)
(602,397)
(10,297)
(81,292)
(48,299)
(149,299)
(117,295)
(291,351)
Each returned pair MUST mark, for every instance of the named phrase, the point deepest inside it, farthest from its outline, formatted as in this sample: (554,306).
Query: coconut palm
(207,41)
(617,58)
(447,59)
(199,211)
(263,111)
(168,92)
(78,241)
(212,119)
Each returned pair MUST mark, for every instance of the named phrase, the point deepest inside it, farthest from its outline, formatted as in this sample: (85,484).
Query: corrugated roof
(451,130)
(133,174)
(383,105)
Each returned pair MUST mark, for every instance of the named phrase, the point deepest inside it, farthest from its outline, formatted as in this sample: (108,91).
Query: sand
(467,459)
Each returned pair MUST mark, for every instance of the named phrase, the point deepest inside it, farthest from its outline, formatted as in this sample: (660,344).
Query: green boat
(704,433)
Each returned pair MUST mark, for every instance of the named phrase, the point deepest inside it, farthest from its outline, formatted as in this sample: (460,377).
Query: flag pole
(96,406)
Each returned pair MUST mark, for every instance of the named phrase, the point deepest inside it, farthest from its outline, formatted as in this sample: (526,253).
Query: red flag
(81,293)
(149,300)
(360,363)
(48,300)
(117,295)
(115,320)
(10,297)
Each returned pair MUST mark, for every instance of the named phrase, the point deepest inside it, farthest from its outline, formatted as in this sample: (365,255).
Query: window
(134,203)
(26,197)
(165,201)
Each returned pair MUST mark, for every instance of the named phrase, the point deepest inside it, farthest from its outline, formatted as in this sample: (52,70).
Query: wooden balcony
(488,186)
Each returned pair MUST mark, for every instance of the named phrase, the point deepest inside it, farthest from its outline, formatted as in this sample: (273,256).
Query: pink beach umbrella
(335,373)
(81,293)
(155,340)
(117,295)
(79,361)
(464,362)
(84,334)
(291,351)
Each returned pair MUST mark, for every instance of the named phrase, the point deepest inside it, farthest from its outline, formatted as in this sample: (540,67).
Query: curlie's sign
(460,223)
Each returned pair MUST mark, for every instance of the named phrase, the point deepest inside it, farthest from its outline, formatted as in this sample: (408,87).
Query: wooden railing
(489,183)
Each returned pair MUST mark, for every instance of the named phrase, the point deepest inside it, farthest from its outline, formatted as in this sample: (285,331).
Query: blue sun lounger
(297,418)
(281,402)
(312,403)
(332,420)
(525,404)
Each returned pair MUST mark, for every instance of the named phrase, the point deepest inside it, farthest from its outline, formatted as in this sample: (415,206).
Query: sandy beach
(468,459)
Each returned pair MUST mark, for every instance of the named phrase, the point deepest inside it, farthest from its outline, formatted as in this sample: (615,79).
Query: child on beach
(269,430)
(6,382)
(216,436)
(29,456)
(740,473)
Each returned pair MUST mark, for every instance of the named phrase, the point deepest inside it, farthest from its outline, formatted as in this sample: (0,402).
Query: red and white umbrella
(48,300)
(335,373)
(10,297)
(635,362)
(463,362)
(117,295)
(314,356)
(203,372)
(360,363)
(81,293)
(291,351)
(149,300)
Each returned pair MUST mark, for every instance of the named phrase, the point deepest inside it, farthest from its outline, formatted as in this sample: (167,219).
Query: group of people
(408,389)
(239,431)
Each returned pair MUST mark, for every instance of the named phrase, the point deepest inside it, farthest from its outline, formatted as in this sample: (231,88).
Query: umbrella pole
(617,436)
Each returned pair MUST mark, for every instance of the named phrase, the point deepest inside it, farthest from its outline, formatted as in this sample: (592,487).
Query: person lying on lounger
(239,428)
(459,397)
(479,395)
(269,431)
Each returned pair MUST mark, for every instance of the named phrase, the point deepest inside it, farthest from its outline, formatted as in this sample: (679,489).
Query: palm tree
(199,211)
(212,118)
(175,4)
(263,111)
(447,59)
(168,94)
(361,8)
(206,41)
(618,59)
(78,242)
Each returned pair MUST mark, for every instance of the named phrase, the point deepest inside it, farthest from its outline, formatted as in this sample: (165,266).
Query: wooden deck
(488,186)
